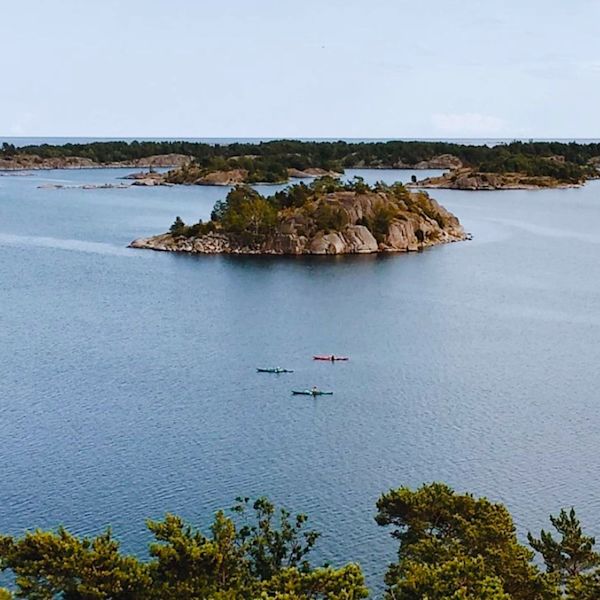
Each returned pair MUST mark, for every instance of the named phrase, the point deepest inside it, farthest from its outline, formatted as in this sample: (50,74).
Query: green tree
(583,587)
(571,555)
(178,227)
(8,150)
(265,557)
(329,216)
(436,526)
(47,565)
(358,185)
(322,583)
(245,211)
(381,219)
(461,578)
(190,565)
(274,541)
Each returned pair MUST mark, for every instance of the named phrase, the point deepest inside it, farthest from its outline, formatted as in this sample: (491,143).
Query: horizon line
(298,138)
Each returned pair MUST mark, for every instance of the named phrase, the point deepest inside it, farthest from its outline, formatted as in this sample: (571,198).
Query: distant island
(518,165)
(26,161)
(325,217)
(476,180)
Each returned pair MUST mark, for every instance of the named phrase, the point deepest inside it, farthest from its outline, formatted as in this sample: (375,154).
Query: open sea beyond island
(128,378)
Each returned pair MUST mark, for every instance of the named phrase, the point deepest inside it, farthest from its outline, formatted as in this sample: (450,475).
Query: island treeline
(451,546)
(268,161)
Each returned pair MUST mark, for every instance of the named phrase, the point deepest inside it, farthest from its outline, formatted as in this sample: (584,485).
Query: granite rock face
(34,162)
(231,177)
(443,161)
(311,172)
(472,180)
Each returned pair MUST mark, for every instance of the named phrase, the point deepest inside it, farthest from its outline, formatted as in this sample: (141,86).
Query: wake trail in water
(7,239)
(552,232)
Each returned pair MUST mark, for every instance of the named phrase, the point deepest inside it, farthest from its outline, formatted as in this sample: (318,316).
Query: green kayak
(274,370)
(311,393)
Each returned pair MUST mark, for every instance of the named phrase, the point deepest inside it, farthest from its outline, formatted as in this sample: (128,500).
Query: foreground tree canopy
(262,555)
(451,547)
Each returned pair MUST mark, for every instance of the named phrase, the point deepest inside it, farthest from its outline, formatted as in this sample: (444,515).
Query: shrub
(329,217)
(178,227)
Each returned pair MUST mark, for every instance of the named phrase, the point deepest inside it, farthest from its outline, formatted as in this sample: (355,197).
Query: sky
(309,68)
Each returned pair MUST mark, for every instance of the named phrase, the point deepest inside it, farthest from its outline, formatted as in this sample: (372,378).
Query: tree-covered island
(451,546)
(503,166)
(325,217)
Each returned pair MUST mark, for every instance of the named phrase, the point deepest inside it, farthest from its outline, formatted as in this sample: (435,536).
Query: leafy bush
(379,223)
(178,227)
(328,217)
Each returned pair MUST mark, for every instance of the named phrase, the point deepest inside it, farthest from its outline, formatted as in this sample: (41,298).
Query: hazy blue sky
(310,68)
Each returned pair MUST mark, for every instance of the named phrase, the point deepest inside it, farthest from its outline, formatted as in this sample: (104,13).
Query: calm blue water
(128,384)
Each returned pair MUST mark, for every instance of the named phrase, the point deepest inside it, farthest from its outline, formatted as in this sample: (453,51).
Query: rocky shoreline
(353,240)
(105,186)
(442,161)
(470,180)
(33,162)
(238,176)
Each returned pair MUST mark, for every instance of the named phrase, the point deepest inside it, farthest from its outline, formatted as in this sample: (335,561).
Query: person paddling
(315,390)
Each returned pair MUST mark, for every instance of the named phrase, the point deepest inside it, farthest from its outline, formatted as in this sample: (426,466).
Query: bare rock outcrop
(595,162)
(231,177)
(443,161)
(311,172)
(163,160)
(472,180)
(33,161)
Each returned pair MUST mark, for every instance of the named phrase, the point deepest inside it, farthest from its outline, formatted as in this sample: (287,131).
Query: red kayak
(330,357)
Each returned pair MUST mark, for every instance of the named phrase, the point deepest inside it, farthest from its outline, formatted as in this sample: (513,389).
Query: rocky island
(325,217)
(473,179)
(33,162)
(242,170)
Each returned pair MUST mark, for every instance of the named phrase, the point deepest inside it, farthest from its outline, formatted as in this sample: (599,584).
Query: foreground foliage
(451,547)
(458,547)
(451,542)
(263,555)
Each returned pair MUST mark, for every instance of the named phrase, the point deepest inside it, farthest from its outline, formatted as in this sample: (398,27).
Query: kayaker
(315,389)
(332,357)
